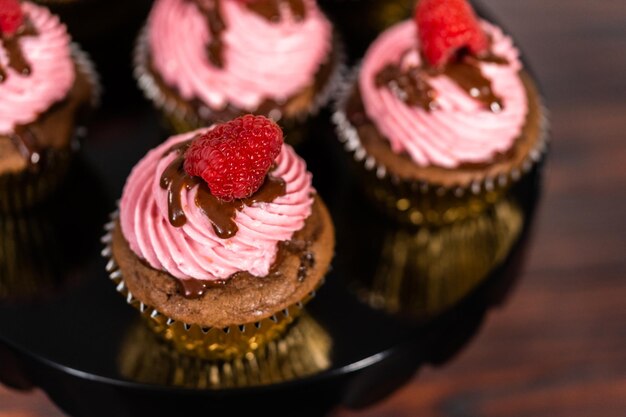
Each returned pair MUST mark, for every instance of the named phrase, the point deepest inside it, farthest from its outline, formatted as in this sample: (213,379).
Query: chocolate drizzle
(492,58)
(26,142)
(307,261)
(174,179)
(16,56)
(270,9)
(411,87)
(11,45)
(195,288)
(23,137)
(215,22)
(221,213)
(466,74)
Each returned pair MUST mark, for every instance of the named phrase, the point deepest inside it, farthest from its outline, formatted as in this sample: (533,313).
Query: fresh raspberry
(447,26)
(234,157)
(11,17)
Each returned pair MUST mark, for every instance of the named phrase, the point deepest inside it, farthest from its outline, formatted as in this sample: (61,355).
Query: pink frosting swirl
(194,250)
(262,59)
(460,130)
(24,97)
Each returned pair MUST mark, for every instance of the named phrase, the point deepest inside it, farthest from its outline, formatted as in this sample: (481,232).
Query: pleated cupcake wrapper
(421,202)
(204,341)
(27,188)
(86,66)
(422,272)
(182,120)
(29,259)
(303,350)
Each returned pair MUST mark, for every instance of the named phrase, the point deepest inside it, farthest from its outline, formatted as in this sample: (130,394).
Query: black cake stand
(64,329)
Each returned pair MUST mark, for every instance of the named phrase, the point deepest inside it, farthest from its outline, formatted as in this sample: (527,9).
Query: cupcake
(202,61)
(441,115)
(47,87)
(220,238)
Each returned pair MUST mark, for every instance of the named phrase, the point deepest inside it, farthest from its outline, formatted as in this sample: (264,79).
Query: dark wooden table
(558,346)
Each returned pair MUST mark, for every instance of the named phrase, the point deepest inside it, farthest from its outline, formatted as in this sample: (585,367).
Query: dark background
(558,346)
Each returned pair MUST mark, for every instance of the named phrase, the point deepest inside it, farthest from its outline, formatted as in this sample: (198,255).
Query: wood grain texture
(30,404)
(558,347)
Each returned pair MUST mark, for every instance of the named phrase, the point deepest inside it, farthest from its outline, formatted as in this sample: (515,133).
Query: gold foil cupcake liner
(421,202)
(181,120)
(204,341)
(29,187)
(423,271)
(302,351)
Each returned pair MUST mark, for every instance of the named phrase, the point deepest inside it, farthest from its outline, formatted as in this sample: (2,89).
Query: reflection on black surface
(304,350)
(40,247)
(422,271)
(456,307)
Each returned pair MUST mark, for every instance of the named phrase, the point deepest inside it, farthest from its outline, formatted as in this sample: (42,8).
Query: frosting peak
(195,250)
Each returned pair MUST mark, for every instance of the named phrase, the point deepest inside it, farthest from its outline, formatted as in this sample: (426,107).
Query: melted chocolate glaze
(270,9)
(26,142)
(23,137)
(216,25)
(307,261)
(195,288)
(301,247)
(221,213)
(467,75)
(411,86)
(11,45)
(492,58)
